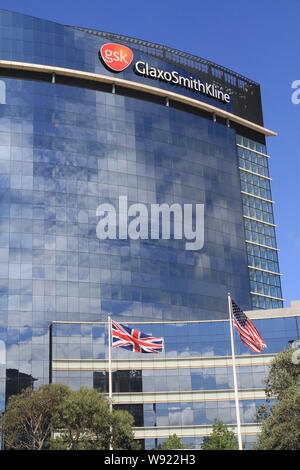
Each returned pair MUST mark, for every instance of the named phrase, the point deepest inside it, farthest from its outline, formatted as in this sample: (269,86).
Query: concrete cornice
(161,432)
(160,363)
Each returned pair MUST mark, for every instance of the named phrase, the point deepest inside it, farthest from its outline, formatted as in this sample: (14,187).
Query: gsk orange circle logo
(116,57)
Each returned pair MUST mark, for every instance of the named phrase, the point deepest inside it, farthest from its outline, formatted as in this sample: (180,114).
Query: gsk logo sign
(116,56)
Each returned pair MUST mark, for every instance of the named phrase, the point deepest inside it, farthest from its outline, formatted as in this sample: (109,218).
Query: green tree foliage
(283,374)
(280,428)
(262,413)
(221,438)
(27,420)
(55,417)
(83,421)
(122,435)
(173,442)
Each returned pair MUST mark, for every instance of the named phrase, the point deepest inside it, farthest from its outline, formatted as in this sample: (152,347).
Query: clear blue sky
(259,39)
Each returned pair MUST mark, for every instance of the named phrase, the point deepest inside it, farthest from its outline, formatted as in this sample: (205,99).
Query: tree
(53,416)
(173,442)
(83,421)
(27,420)
(221,438)
(122,435)
(283,374)
(280,428)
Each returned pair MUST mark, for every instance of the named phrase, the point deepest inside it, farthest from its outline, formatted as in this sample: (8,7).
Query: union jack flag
(248,333)
(134,340)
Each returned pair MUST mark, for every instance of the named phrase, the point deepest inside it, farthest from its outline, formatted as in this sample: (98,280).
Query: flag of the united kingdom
(134,340)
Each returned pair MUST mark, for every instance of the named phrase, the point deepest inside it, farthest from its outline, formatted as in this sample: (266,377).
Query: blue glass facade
(182,339)
(262,251)
(64,150)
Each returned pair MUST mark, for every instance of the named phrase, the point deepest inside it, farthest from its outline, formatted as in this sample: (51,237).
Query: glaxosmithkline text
(143,68)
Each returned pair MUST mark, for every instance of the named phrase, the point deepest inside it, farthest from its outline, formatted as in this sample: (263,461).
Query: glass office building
(75,134)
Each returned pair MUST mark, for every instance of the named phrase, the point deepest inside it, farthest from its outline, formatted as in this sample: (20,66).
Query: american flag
(248,333)
(134,340)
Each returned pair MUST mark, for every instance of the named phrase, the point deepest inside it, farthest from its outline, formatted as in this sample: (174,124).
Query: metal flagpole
(50,351)
(109,374)
(109,364)
(236,394)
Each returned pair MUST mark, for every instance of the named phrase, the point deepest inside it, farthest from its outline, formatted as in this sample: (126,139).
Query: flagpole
(236,394)
(109,364)
(109,372)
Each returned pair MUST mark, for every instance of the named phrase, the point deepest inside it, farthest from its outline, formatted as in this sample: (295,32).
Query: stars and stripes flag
(134,340)
(247,331)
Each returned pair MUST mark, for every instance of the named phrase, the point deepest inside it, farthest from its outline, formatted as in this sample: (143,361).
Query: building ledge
(161,432)
(53,71)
